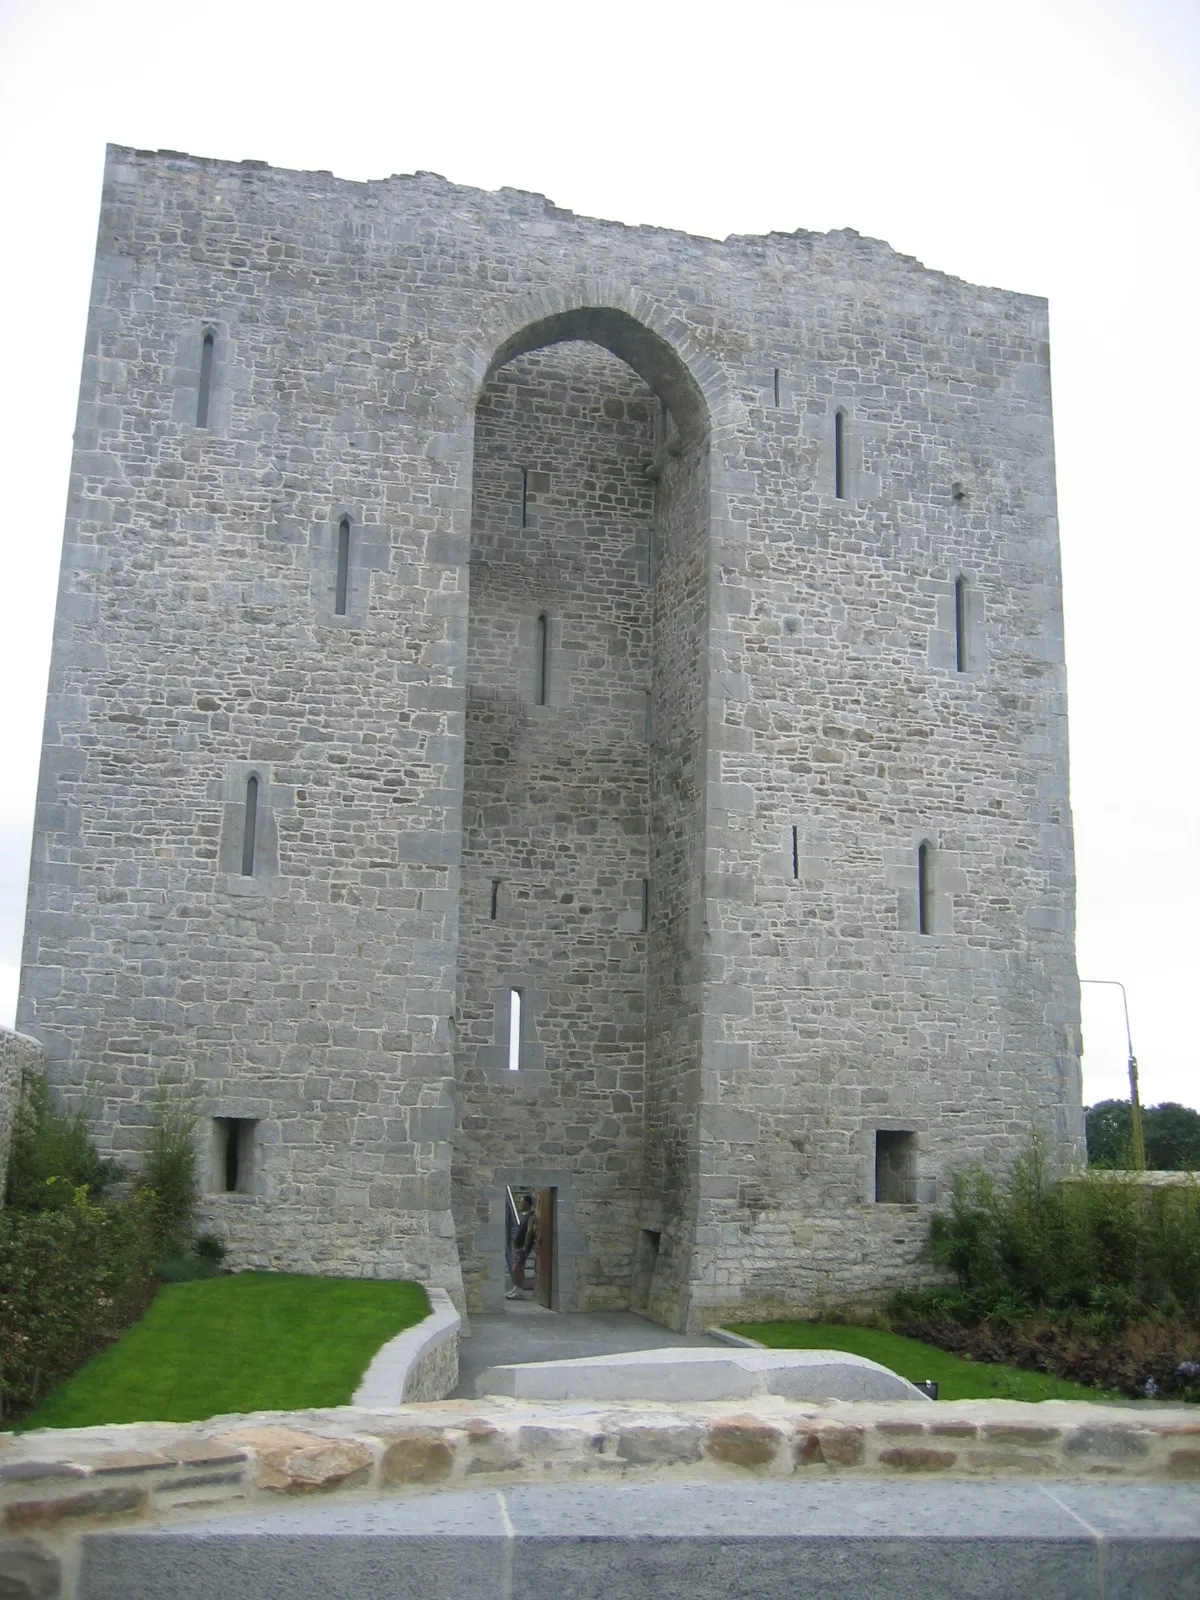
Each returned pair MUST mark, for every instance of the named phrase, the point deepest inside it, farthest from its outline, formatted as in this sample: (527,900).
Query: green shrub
(71,1280)
(1089,1243)
(1095,1278)
(51,1153)
(169,1169)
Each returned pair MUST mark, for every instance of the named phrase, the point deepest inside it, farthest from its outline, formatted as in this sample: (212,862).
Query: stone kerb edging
(419,1364)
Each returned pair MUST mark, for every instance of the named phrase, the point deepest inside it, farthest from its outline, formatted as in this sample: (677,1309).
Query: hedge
(71,1281)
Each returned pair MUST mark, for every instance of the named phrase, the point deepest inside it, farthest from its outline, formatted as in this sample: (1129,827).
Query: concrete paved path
(528,1332)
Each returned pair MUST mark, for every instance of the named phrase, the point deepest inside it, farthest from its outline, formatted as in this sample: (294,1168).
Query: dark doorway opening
(529,1243)
(645,1261)
(235,1152)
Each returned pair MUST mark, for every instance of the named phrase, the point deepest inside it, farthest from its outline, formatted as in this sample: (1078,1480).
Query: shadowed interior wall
(555,805)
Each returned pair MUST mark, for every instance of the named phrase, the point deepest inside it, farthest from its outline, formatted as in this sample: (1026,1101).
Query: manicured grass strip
(956,1379)
(253,1341)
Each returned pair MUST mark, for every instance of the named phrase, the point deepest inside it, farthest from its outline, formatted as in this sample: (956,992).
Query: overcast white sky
(1043,145)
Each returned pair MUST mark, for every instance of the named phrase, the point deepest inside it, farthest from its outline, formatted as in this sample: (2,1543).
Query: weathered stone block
(28,1572)
(293,1462)
(417,1457)
(917,1458)
(89,1503)
(743,1442)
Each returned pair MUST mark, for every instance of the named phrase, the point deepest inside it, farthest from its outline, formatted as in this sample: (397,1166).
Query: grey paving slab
(679,1373)
(444,1546)
(866,1540)
(527,1332)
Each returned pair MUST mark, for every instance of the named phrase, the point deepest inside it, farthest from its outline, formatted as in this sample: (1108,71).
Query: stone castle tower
(548,703)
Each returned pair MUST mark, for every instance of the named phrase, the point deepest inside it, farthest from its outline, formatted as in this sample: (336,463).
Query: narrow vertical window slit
(645,904)
(839,454)
(925,887)
(249,824)
(343,568)
(514,1029)
(960,624)
(206,370)
(776,388)
(795,852)
(541,663)
(495,898)
(524,497)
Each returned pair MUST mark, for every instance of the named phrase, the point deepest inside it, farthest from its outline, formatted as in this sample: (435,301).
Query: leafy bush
(169,1169)
(1033,1244)
(1171,1134)
(203,1261)
(51,1153)
(1093,1279)
(72,1278)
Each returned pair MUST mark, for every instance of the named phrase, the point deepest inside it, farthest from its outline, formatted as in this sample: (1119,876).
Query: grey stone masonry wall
(790,516)
(19,1055)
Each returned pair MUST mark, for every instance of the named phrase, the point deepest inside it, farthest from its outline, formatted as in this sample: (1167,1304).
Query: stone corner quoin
(464,599)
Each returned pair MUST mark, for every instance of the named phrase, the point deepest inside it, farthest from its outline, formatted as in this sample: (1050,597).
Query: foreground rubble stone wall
(56,1485)
(787,506)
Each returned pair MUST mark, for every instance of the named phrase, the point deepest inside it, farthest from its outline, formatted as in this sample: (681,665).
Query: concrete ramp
(700,1540)
(677,1373)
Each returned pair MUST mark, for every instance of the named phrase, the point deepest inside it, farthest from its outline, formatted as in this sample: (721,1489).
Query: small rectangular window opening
(235,1144)
(777,388)
(206,370)
(514,1030)
(645,904)
(895,1168)
(960,624)
(795,852)
(343,568)
(541,666)
(925,887)
(839,454)
(249,826)
(495,898)
(524,497)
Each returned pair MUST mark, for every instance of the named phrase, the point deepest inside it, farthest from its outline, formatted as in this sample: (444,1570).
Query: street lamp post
(1139,1145)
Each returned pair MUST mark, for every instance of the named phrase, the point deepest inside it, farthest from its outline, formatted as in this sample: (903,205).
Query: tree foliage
(1171,1133)
(51,1153)
(169,1169)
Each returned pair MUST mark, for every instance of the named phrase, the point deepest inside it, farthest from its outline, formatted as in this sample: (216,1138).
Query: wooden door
(544,1283)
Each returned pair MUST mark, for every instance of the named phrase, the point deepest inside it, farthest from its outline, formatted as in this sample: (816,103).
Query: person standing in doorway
(525,1244)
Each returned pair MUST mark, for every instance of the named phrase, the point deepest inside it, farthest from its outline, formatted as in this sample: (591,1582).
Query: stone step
(861,1540)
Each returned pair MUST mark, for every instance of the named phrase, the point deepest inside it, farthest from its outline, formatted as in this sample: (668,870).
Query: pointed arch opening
(602,789)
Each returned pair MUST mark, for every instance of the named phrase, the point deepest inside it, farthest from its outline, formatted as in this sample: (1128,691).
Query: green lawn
(251,1341)
(956,1379)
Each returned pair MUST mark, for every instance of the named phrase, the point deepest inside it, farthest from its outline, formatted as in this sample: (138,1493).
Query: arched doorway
(578,980)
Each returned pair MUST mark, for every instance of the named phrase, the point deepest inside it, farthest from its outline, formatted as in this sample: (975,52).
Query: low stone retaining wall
(419,1364)
(57,1484)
